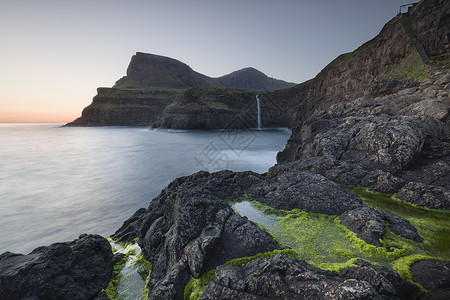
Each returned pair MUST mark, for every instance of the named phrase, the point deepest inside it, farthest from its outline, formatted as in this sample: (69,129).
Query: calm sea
(58,182)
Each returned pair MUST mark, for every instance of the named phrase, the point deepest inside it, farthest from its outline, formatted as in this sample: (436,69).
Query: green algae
(433,225)
(196,286)
(111,288)
(130,276)
(324,242)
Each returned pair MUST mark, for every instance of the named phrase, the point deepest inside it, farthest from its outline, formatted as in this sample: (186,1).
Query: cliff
(220,108)
(154,83)
(125,107)
(391,61)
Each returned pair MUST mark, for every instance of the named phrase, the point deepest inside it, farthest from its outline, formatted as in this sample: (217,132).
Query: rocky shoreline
(376,132)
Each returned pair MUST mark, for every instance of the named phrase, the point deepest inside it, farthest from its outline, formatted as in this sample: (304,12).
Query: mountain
(358,202)
(155,84)
(150,70)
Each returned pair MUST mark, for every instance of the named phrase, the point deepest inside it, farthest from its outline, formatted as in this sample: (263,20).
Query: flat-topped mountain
(150,70)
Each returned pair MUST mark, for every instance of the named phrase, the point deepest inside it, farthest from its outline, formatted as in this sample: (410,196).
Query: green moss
(432,225)
(440,62)
(410,68)
(195,287)
(144,267)
(324,242)
(111,288)
(239,262)
(175,102)
(217,105)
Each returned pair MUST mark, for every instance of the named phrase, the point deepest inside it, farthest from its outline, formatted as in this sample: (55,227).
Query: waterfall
(259,112)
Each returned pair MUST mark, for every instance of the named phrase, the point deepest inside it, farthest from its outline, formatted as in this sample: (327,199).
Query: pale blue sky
(54,54)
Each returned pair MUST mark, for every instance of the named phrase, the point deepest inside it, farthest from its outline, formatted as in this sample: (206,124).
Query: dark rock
(218,108)
(434,171)
(383,182)
(425,195)
(401,227)
(385,281)
(283,278)
(366,222)
(197,230)
(286,188)
(369,224)
(429,107)
(125,107)
(432,274)
(73,270)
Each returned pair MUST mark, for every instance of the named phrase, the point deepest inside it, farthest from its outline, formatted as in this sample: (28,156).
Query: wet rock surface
(73,270)
(284,278)
(190,229)
(432,274)
(370,223)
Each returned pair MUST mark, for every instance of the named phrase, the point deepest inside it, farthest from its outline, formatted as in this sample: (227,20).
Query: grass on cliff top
(217,105)
(411,67)
(440,62)
(215,91)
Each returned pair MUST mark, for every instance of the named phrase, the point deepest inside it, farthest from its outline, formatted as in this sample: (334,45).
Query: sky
(55,53)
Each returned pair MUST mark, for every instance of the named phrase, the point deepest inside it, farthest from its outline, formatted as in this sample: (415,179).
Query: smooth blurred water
(58,182)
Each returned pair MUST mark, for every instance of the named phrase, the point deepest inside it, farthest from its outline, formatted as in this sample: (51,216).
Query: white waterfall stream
(259,112)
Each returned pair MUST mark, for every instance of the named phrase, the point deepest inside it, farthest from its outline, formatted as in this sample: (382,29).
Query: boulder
(286,188)
(385,281)
(369,224)
(72,270)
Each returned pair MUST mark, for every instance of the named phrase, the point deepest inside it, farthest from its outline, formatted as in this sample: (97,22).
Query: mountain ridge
(151,70)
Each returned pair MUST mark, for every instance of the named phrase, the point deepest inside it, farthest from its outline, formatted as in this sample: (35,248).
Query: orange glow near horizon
(36,117)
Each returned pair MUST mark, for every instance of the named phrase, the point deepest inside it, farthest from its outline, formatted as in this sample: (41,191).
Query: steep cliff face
(408,50)
(116,107)
(219,108)
(391,61)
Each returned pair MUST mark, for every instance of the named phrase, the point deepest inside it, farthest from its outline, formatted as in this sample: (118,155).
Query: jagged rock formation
(73,270)
(373,119)
(189,228)
(284,278)
(150,70)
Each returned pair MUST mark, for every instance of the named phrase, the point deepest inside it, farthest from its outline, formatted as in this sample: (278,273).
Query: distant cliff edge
(154,84)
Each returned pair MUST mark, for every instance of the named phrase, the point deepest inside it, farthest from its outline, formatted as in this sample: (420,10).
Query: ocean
(59,182)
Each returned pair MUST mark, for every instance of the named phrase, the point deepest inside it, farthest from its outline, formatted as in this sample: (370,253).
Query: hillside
(150,70)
